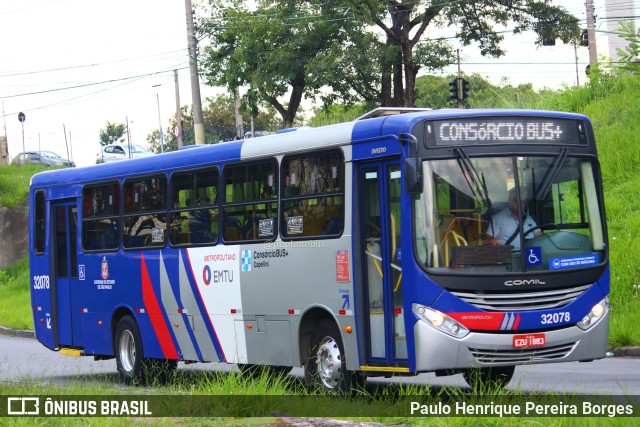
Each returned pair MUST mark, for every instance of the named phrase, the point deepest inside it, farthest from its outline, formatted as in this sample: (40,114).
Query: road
(26,360)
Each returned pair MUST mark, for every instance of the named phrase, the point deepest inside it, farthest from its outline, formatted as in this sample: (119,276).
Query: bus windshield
(508,214)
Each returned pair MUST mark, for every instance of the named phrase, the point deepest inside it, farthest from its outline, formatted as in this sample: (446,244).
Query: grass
(14,183)
(15,307)
(246,401)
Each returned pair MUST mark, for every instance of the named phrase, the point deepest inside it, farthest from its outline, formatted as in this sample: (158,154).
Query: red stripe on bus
(479,320)
(155,315)
(517,322)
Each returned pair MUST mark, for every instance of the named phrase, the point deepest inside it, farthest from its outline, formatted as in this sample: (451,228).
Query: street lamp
(159,121)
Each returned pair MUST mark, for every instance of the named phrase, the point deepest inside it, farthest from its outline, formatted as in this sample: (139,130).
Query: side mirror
(413,175)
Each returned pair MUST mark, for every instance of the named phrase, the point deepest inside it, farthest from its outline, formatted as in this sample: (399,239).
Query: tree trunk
(398,86)
(385,86)
(410,72)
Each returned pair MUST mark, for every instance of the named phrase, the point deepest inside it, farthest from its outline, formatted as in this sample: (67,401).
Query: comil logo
(23,406)
(524,282)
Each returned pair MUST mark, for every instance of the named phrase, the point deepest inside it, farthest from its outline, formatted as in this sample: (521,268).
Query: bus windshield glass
(508,214)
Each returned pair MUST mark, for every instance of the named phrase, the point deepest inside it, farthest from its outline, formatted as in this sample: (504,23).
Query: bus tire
(488,380)
(326,365)
(128,348)
(132,366)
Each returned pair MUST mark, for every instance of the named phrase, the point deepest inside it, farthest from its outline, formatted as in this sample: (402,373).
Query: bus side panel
(41,285)
(303,275)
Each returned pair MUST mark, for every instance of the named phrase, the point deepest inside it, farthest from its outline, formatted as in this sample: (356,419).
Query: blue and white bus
(360,249)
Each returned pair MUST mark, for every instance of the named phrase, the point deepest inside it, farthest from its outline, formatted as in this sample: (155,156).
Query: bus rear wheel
(489,380)
(132,366)
(326,364)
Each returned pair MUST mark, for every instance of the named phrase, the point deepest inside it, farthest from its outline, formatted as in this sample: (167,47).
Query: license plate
(529,340)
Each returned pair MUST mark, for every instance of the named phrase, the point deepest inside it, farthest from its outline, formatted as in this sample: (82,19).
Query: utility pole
(198,123)
(64,130)
(159,121)
(5,148)
(178,110)
(128,136)
(575,52)
(591,32)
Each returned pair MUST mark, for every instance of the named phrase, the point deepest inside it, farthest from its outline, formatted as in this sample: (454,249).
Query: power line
(74,67)
(89,84)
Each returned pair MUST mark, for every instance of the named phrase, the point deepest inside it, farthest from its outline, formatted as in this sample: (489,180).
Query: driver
(504,226)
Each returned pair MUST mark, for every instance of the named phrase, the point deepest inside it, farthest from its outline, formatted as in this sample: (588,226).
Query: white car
(114,152)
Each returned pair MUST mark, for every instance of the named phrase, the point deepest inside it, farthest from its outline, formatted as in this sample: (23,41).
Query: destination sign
(505,130)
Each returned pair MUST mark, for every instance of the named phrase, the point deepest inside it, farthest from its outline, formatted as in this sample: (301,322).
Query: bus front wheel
(326,365)
(132,366)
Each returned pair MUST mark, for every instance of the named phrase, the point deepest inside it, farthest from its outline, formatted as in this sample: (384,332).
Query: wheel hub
(329,362)
(127,351)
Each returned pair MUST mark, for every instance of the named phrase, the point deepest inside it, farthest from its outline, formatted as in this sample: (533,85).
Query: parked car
(47,158)
(114,152)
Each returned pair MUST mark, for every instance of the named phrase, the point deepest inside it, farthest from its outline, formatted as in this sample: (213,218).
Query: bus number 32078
(549,318)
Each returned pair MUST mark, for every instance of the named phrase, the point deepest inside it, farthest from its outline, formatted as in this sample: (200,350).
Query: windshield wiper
(551,174)
(476,182)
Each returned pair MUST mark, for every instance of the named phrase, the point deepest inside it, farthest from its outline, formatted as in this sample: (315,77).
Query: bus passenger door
(64,260)
(380,214)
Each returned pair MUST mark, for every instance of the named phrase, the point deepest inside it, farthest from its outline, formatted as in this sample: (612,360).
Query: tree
(299,48)
(112,133)
(219,123)
(629,61)
(404,24)
(282,48)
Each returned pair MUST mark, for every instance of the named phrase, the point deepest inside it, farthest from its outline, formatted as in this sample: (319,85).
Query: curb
(16,333)
(626,352)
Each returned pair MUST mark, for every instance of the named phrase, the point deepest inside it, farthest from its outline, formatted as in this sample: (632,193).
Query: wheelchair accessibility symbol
(534,256)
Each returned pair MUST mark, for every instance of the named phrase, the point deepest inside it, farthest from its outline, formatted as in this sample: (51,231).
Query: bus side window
(101,217)
(145,219)
(250,203)
(313,195)
(194,209)
(39,223)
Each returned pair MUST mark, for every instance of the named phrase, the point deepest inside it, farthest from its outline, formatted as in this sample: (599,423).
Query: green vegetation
(15,307)
(14,183)
(191,397)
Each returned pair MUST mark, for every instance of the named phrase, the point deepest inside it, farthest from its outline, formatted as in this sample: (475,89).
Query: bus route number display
(504,130)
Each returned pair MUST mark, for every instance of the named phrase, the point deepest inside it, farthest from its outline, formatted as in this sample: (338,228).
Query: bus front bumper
(436,350)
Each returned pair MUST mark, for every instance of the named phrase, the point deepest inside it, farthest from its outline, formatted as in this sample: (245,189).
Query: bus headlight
(440,321)
(596,313)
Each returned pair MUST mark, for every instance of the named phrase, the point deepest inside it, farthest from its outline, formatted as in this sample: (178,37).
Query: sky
(71,66)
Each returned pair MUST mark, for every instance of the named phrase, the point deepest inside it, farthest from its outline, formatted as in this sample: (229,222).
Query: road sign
(21,117)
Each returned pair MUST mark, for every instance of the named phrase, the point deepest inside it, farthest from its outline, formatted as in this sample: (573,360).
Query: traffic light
(459,89)
(584,38)
(453,89)
(464,91)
